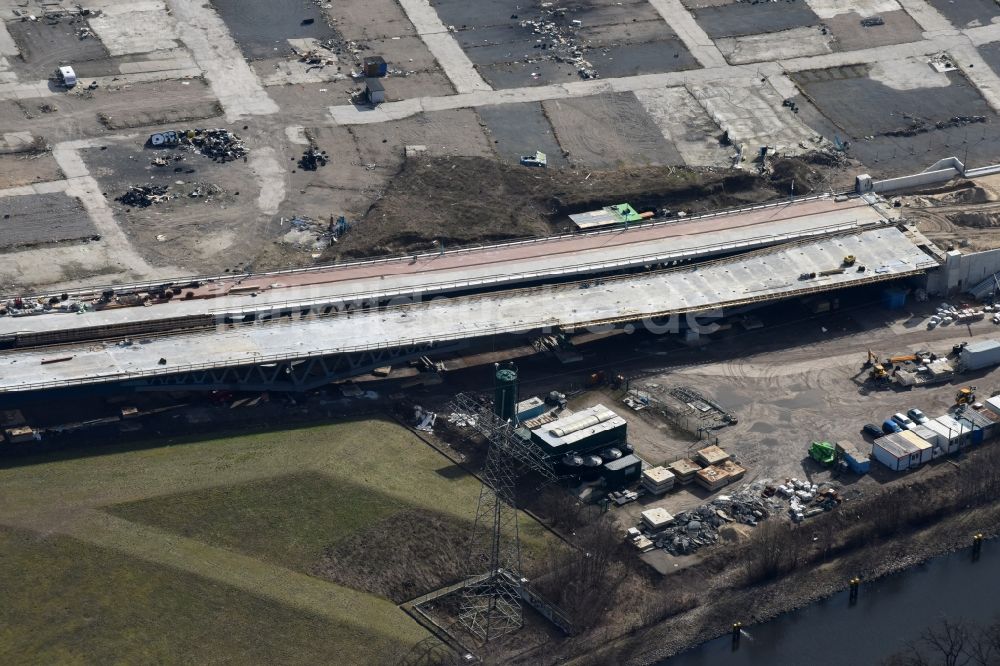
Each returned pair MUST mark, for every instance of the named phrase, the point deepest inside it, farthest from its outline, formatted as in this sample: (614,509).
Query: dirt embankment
(467,200)
(964,214)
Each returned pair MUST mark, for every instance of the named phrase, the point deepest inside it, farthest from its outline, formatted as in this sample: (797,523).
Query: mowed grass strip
(287,520)
(67,602)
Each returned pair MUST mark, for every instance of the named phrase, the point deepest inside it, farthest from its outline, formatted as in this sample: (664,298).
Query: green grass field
(66,601)
(314,531)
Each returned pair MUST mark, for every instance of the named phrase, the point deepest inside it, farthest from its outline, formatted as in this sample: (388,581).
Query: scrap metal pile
(141,196)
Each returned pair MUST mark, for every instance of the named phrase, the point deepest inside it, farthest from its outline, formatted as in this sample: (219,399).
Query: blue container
(859,467)
(893,298)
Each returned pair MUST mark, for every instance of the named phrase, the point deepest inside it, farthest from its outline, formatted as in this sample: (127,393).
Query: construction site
(456,332)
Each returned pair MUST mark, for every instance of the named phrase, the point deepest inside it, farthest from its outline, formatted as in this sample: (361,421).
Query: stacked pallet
(712,455)
(657,518)
(734,471)
(684,470)
(657,480)
(712,478)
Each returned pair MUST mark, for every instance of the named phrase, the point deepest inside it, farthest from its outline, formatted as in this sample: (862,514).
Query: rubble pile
(691,530)
(204,190)
(805,499)
(921,126)
(219,144)
(558,40)
(312,159)
(142,196)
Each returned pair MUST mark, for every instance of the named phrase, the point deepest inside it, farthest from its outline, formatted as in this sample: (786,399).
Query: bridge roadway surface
(885,252)
(495,266)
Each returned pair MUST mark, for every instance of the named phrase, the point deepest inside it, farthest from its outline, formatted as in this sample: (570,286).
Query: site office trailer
(895,452)
(948,436)
(962,430)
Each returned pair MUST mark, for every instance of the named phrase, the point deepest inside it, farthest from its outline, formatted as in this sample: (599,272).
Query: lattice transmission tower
(491,602)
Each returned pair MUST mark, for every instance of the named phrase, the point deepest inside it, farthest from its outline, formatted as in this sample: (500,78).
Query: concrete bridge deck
(494,267)
(886,253)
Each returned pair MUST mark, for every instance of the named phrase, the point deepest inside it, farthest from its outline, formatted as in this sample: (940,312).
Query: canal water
(888,614)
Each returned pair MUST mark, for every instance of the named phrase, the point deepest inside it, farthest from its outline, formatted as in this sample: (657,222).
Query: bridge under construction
(295,330)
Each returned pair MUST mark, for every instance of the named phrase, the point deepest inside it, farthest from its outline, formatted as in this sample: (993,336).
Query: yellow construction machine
(966,395)
(878,372)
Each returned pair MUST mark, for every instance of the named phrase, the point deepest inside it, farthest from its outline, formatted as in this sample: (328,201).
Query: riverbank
(725,598)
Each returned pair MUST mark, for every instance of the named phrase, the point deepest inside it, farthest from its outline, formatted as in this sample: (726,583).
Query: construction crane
(966,395)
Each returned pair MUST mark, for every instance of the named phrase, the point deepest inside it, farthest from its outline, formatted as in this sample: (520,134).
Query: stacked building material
(733,471)
(658,480)
(712,478)
(711,455)
(684,470)
(656,519)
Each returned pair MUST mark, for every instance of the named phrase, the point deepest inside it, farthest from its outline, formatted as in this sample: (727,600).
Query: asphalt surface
(35,219)
(746,18)
(261,28)
(967,13)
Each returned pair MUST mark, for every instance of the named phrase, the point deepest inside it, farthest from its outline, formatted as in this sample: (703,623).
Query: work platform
(365,283)
(289,348)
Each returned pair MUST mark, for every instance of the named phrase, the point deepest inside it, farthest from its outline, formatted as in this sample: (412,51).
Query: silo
(505,391)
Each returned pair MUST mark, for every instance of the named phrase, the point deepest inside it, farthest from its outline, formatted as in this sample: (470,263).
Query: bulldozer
(966,395)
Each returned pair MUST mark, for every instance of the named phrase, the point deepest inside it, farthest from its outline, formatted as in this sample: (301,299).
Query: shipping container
(980,354)
(897,452)
(622,472)
(928,435)
(857,460)
(529,409)
(926,448)
(975,434)
(981,422)
(961,433)
(993,404)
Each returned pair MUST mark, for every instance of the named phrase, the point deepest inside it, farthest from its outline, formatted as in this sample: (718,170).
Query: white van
(66,76)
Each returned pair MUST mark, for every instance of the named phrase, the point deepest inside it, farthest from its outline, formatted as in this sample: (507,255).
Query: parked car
(872,430)
(904,421)
(918,416)
(889,426)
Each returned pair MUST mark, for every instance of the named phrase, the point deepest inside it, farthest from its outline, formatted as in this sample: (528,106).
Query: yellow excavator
(878,372)
(966,395)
